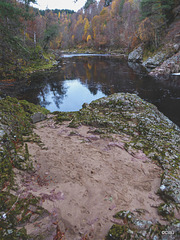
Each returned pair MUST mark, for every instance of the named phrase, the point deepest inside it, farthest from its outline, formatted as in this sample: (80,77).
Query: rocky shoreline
(150,134)
(162,64)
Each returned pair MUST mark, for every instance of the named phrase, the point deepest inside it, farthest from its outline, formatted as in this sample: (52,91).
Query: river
(83,78)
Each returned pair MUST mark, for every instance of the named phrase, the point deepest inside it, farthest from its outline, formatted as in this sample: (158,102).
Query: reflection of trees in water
(85,70)
(107,75)
(112,75)
(57,89)
(40,88)
(59,92)
(42,97)
(92,88)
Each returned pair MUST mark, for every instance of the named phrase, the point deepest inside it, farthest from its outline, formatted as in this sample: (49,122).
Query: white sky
(59,4)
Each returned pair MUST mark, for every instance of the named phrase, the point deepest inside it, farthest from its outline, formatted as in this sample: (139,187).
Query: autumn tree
(114,24)
(40,24)
(158,12)
(50,33)
(13,15)
(79,29)
(114,8)
(86,28)
(146,31)
(89,38)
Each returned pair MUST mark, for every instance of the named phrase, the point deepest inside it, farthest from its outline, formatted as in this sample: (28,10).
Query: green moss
(148,130)
(166,210)
(15,122)
(133,228)
(148,52)
(37,61)
(17,212)
(31,108)
(118,232)
(64,116)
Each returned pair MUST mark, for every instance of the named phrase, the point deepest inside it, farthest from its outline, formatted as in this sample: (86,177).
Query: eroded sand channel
(93,177)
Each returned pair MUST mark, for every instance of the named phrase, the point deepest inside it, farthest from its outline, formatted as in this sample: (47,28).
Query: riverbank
(43,61)
(93,177)
(113,155)
(161,64)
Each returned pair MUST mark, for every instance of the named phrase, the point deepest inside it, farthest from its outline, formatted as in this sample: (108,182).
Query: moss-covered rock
(122,113)
(15,123)
(166,210)
(150,131)
(131,227)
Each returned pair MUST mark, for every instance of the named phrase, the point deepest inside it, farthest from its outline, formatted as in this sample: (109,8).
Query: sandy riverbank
(86,179)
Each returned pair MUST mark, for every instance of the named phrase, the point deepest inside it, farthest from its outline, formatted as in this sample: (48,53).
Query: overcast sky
(59,4)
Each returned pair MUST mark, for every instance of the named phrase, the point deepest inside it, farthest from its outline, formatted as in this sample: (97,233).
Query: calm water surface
(84,78)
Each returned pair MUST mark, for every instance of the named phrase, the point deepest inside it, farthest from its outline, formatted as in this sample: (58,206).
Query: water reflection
(74,95)
(83,79)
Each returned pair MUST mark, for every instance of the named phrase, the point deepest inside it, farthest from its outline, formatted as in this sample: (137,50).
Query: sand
(86,179)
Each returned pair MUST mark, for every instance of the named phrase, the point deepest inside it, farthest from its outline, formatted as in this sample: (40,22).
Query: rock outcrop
(154,61)
(130,226)
(154,134)
(169,66)
(136,55)
(16,207)
(148,130)
(160,65)
(37,117)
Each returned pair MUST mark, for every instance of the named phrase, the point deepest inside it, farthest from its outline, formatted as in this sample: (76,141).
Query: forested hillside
(89,143)
(25,33)
(101,25)
(115,24)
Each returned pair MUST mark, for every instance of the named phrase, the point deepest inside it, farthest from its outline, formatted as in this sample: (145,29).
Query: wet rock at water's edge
(136,55)
(154,61)
(169,66)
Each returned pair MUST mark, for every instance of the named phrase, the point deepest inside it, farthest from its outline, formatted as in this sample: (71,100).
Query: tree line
(107,24)
(114,24)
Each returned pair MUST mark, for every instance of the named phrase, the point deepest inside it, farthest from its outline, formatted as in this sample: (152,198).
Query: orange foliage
(146,30)
(89,37)
(86,26)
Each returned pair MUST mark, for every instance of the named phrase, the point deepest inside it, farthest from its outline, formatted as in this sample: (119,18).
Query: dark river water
(82,79)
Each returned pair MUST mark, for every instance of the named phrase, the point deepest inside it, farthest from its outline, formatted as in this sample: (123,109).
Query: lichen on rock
(132,227)
(149,131)
(136,55)
(15,123)
(169,66)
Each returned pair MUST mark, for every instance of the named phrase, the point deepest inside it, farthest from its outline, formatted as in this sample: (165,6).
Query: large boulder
(171,65)
(154,61)
(37,117)
(168,55)
(149,130)
(170,188)
(136,55)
